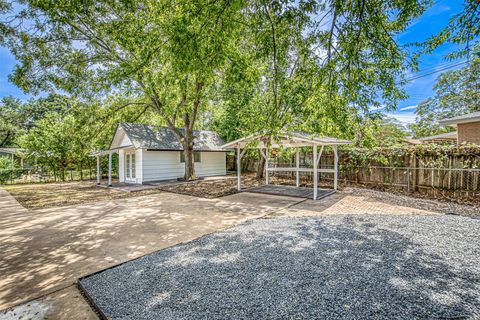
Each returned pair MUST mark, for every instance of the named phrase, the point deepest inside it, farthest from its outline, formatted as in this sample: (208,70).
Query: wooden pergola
(291,140)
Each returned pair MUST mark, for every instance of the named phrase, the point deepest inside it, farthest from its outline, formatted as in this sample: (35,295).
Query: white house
(150,153)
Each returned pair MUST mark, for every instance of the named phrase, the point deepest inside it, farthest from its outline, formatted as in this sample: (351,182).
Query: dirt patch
(227,186)
(212,188)
(47,195)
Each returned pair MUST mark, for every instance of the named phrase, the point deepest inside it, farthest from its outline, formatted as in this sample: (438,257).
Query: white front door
(130,167)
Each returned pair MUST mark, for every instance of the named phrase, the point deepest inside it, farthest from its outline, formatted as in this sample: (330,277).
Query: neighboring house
(8,152)
(12,153)
(149,153)
(449,137)
(468,127)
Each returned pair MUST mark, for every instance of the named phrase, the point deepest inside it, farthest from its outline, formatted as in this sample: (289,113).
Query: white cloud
(405,117)
(409,108)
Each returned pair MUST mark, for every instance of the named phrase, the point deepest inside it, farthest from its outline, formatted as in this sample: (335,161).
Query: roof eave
(448,122)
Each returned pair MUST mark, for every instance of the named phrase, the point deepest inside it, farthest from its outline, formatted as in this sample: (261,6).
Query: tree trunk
(188,152)
(261,165)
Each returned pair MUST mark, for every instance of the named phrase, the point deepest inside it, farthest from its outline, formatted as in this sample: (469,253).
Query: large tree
(456,93)
(166,53)
(17,116)
(317,66)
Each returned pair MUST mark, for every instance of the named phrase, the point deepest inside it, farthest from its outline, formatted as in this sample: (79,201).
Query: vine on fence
(430,155)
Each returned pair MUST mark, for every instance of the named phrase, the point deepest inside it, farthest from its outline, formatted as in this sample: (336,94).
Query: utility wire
(436,71)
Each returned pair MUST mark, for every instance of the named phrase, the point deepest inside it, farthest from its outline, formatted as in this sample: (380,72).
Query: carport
(295,140)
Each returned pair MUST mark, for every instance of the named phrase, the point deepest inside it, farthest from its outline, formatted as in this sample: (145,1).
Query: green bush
(6,168)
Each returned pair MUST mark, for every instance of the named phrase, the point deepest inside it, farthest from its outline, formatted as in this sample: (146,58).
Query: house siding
(469,132)
(166,165)
(211,164)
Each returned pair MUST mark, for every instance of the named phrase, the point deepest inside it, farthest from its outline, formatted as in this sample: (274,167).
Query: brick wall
(469,132)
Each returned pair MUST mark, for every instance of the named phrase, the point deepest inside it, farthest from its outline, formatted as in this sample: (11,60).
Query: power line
(436,71)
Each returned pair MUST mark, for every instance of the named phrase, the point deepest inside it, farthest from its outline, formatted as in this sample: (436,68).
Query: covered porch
(295,140)
(105,153)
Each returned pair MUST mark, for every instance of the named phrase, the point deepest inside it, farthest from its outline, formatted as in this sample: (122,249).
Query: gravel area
(335,267)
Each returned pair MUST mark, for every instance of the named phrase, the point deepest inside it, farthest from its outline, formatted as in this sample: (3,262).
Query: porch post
(109,169)
(335,178)
(297,165)
(315,172)
(266,165)
(98,169)
(239,168)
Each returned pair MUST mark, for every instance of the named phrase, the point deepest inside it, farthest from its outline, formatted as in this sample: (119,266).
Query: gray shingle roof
(448,135)
(470,117)
(162,138)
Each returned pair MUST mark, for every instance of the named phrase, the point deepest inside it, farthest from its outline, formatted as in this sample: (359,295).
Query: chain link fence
(21,176)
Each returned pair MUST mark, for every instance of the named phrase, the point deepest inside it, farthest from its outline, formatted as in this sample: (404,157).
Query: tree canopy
(235,66)
(456,93)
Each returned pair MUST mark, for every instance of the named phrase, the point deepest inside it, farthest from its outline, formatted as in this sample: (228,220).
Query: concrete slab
(9,204)
(262,200)
(291,191)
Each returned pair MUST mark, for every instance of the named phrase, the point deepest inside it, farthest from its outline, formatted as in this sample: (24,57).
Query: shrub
(6,168)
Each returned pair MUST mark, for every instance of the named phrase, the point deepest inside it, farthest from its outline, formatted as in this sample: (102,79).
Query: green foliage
(7,167)
(456,93)
(380,132)
(17,117)
(315,66)
(64,140)
(394,155)
(463,29)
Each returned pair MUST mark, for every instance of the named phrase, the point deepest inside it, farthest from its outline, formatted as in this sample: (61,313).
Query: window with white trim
(196,156)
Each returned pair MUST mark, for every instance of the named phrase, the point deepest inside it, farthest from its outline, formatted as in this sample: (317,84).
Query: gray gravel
(335,267)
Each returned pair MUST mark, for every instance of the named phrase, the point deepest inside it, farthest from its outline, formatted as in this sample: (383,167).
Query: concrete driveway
(44,252)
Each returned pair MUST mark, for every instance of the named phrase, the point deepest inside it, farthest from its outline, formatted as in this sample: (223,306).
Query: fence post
(408,179)
(413,165)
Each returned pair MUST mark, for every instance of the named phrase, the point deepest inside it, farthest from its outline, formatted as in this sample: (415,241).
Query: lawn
(46,195)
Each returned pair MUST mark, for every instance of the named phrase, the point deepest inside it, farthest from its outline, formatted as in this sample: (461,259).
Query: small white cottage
(150,153)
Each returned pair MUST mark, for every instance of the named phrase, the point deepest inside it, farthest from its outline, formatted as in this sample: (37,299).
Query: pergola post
(335,174)
(297,166)
(98,170)
(109,169)
(315,172)
(239,168)
(266,165)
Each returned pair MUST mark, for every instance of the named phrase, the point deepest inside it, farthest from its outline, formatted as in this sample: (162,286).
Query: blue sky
(430,23)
